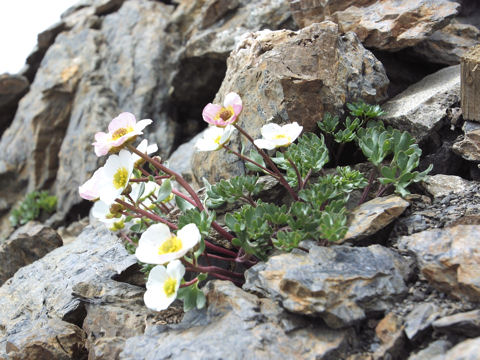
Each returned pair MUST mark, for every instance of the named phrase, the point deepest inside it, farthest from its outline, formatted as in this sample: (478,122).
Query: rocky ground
(403,284)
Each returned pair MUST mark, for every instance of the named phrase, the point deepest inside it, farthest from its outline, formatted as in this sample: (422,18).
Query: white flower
(143,147)
(90,189)
(162,285)
(101,211)
(123,129)
(275,136)
(214,137)
(158,246)
(116,174)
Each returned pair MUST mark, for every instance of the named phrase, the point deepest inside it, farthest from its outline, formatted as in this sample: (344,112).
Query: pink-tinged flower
(122,129)
(90,189)
(223,115)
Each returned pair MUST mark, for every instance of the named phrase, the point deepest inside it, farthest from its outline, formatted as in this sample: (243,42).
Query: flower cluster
(223,119)
(115,189)
(172,232)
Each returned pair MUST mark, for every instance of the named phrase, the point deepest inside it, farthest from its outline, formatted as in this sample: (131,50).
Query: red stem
(147,214)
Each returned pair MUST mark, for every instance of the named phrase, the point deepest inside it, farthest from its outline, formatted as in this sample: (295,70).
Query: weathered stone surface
(421,109)
(373,216)
(450,210)
(250,328)
(438,347)
(443,185)
(56,339)
(114,312)
(285,76)
(420,319)
(27,244)
(42,291)
(466,350)
(340,284)
(87,77)
(390,332)
(449,258)
(12,88)
(469,147)
(181,159)
(448,44)
(467,324)
(387,25)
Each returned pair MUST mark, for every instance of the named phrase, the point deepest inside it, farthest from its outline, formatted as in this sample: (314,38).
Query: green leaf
(183,204)
(164,191)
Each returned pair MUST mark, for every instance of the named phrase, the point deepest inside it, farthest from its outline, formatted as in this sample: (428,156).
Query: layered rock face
(402,284)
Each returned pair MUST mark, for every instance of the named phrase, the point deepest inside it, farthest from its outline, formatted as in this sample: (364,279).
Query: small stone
(420,319)
(441,185)
(467,324)
(373,216)
(469,147)
(466,350)
(434,349)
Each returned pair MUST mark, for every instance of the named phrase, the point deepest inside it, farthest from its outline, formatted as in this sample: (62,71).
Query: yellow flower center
(169,286)
(171,245)
(217,139)
(281,136)
(120,178)
(117,134)
(225,113)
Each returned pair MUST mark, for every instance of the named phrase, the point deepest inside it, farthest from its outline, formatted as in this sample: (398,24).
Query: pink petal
(209,112)
(123,120)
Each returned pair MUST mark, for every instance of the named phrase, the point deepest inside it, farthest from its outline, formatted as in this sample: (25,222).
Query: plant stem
(188,283)
(243,157)
(368,187)
(147,214)
(269,161)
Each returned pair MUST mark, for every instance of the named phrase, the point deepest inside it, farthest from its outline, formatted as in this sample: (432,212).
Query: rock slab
(340,284)
(449,258)
(27,244)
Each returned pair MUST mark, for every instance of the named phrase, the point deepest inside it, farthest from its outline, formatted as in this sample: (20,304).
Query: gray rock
(387,25)
(434,349)
(12,88)
(181,159)
(443,185)
(339,284)
(420,319)
(27,244)
(466,350)
(374,215)
(448,258)
(285,76)
(42,291)
(467,324)
(238,325)
(469,147)
(421,109)
(448,44)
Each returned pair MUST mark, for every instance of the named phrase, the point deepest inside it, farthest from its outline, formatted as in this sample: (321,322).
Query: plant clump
(36,205)
(134,194)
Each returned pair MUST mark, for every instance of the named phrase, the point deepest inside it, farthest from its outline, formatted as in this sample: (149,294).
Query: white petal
(270,130)
(189,235)
(157,277)
(264,144)
(293,130)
